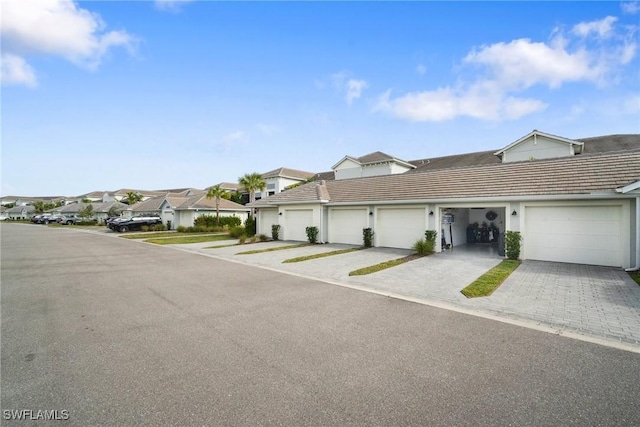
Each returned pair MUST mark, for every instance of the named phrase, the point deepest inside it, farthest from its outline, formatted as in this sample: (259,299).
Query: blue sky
(152,95)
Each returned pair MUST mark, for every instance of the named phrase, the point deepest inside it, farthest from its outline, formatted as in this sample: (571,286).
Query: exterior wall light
(431,213)
(514,213)
(371,213)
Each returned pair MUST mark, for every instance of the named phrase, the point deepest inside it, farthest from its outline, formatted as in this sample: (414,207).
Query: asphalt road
(118,332)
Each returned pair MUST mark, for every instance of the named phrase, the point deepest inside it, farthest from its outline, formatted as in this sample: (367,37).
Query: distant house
(192,208)
(575,201)
(100,209)
(163,206)
(280,179)
(20,212)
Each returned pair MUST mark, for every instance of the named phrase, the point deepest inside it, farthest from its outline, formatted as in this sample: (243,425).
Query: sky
(103,95)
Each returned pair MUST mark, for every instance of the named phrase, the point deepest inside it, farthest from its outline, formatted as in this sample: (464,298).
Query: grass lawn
(189,239)
(322,255)
(279,248)
(487,283)
(635,275)
(384,265)
(153,235)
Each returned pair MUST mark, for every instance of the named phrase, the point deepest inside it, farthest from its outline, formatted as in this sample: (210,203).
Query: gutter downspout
(637,267)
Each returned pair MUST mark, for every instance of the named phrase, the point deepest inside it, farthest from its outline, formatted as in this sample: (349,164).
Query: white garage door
(399,228)
(345,225)
(296,222)
(266,218)
(574,234)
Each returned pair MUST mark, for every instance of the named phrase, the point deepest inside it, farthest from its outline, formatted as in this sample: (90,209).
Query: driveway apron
(590,301)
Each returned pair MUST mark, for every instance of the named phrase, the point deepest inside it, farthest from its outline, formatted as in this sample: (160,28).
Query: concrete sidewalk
(595,303)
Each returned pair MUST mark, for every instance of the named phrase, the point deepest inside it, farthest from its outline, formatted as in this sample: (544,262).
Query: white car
(3,217)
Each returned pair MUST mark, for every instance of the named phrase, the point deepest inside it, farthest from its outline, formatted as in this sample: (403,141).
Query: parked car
(41,219)
(51,218)
(3,217)
(135,223)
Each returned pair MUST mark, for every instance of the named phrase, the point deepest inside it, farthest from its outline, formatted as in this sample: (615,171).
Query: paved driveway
(598,304)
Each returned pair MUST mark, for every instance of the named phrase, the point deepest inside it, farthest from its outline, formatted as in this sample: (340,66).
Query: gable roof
(98,207)
(372,158)
(535,133)
(288,173)
(201,202)
(576,175)
(230,186)
(598,144)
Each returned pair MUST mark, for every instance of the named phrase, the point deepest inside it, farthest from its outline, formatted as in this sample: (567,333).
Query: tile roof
(97,207)
(598,144)
(577,175)
(228,186)
(201,202)
(149,205)
(376,156)
(288,173)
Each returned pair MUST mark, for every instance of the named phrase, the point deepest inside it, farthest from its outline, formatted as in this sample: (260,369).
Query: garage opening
(477,230)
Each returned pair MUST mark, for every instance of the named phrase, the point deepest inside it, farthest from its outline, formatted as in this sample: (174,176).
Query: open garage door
(400,227)
(574,234)
(345,225)
(296,223)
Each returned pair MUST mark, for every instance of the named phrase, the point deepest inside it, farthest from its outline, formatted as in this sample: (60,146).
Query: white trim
(537,133)
(628,188)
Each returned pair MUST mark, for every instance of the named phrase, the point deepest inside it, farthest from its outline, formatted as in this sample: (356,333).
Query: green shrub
(205,221)
(512,240)
(312,234)
(430,237)
(263,237)
(250,226)
(230,221)
(191,229)
(421,247)
(238,231)
(144,228)
(367,236)
(181,229)
(209,222)
(159,227)
(275,231)
(242,239)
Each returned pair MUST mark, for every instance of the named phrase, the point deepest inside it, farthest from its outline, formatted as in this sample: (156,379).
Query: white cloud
(509,68)
(602,28)
(630,7)
(16,71)
(421,69)
(59,28)
(354,89)
(446,103)
(170,5)
(522,63)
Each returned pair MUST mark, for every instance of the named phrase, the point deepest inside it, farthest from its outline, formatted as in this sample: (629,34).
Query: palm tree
(252,182)
(132,198)
(217,193)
